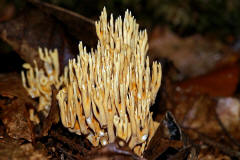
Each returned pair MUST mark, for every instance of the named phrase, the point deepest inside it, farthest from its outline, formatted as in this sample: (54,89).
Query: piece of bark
(53,116)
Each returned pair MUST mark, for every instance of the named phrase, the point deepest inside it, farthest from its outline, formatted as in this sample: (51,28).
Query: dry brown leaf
(36,29)
(228,110)
(79,26)
(197,112)
(169,142)
(14,113)
(193,55)
(222,82)
(16,121)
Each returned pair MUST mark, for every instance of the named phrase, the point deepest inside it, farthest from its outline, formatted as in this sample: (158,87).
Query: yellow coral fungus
(38,82)
(110,90)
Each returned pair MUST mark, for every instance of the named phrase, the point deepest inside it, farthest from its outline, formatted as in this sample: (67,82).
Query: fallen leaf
(11,86)
(168,141)
(36,29)
(193,56)
(228,110)
(14,113)
(79,26)
(196,112)
(16,121)
(222,82)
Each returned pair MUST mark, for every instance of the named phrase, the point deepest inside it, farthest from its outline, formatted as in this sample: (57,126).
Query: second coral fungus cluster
(38,81)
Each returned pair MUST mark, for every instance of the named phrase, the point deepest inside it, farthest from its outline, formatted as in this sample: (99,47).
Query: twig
(60,9)
(53,116)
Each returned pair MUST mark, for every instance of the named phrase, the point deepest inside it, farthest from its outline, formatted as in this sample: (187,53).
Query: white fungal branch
(110,90)
(38,81)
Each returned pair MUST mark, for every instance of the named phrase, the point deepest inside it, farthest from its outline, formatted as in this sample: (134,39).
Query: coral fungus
(38,82)
(110,90)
